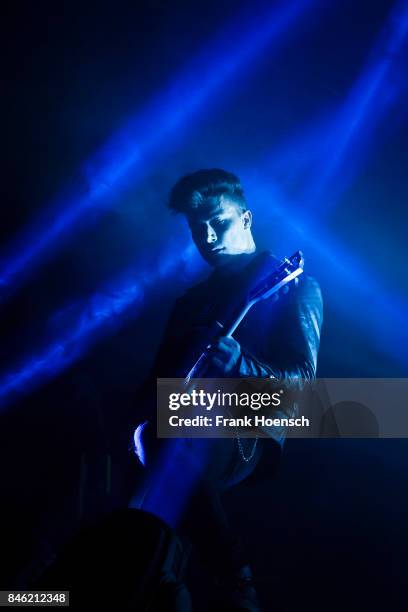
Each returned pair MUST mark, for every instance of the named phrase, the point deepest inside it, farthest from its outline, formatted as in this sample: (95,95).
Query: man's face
(220,230)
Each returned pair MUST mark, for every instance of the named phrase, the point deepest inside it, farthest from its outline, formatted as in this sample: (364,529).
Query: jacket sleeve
(290,347)
(292,338)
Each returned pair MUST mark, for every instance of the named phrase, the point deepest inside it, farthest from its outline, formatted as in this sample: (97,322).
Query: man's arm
(290,339)
(293,338)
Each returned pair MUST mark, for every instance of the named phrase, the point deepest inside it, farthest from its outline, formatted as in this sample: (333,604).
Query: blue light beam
(369,100)
(123,159)
(375,309)
(94,321)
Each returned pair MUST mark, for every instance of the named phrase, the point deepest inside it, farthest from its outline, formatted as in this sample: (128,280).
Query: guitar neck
(269,285)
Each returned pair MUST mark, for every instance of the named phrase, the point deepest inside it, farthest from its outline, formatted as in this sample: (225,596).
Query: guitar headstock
(289,269)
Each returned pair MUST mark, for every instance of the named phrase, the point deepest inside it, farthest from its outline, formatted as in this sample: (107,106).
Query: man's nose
(211,235)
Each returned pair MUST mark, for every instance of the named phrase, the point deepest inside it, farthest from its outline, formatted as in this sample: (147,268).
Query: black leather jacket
(279,339)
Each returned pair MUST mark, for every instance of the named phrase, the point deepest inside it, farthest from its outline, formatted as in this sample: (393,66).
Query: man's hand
(225,354)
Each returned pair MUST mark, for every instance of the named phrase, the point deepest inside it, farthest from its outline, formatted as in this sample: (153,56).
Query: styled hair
(205,187)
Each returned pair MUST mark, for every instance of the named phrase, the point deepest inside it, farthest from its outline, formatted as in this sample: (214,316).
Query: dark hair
(204,186)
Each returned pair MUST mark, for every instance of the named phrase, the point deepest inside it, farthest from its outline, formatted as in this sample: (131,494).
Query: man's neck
(234,264)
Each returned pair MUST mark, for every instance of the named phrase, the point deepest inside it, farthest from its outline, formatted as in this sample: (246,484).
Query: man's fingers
(218,363)
(228,342)
(219,352)
(283,291)
(224,350)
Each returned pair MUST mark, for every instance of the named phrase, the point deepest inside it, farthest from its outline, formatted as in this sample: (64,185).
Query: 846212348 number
(31,598)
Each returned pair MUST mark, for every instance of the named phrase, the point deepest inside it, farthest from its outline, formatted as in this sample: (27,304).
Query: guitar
(269,279)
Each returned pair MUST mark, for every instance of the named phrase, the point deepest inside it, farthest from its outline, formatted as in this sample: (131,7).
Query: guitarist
(278,339)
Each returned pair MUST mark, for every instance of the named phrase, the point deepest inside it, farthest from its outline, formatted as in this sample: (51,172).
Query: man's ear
(247,219)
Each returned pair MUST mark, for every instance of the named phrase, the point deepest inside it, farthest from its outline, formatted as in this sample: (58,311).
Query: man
(276,340)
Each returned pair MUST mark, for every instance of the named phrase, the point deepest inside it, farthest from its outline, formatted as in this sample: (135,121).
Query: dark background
(86,83)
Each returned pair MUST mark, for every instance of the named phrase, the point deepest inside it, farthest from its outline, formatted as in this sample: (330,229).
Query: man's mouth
(217,250)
